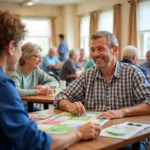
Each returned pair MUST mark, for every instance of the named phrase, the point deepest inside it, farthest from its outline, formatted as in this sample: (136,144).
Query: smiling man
(118,89)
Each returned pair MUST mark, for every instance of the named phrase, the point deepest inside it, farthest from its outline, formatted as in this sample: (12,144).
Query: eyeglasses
(39,57)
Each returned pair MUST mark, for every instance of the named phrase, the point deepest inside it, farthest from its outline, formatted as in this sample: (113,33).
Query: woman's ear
(25,59)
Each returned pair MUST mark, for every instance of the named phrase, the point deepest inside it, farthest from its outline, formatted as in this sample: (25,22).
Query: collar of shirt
(116,73)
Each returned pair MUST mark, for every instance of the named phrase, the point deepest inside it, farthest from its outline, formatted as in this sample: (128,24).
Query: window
(84,34)
(38,32)
(106,21)
(143,28)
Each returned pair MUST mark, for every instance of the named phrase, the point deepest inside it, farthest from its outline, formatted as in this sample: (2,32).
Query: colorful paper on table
(124,130)
(39,116)
(65,122)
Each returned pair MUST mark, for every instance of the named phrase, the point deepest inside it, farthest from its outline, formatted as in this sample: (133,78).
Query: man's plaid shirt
(128,87)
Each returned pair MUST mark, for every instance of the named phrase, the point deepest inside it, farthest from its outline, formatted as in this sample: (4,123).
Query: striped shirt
(128,87)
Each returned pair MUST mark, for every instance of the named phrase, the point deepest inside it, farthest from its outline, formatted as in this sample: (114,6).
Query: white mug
(62,84)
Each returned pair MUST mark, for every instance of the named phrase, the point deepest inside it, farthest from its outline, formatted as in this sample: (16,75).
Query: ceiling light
(30,4)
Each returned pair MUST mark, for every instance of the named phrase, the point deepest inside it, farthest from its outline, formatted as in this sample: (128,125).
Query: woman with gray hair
(29,79)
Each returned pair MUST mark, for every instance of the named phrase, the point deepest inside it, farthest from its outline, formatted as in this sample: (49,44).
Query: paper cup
(62,84)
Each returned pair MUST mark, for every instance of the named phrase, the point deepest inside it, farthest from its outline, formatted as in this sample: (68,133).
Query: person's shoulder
(45,58)
(90,71)
(17,73)
(127,66)
(130,69)
(5,79)
(143,64)
(68,61)
(39,72)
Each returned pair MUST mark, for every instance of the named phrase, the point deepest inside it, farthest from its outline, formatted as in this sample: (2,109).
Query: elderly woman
(29,79)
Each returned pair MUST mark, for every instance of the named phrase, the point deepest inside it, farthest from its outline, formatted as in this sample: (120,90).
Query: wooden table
(46,100)
(105,143)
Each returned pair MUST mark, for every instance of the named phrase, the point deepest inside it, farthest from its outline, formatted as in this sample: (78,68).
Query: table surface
(105,143)
(39,99)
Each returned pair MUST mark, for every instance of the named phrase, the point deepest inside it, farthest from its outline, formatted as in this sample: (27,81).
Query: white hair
(28,50)
(52,49)
(130,51)
(74,51)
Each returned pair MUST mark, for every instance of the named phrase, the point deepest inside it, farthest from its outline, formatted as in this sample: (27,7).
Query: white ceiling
(48,2)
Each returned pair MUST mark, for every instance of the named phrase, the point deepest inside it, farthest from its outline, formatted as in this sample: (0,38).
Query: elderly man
(51,63)
(117,88)
(70,67)
(130,56)
(146,65)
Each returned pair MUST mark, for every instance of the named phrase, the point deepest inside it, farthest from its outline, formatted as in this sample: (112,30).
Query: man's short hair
(52,49)
(130,51)
(75,51)
(11,28)
(111,38)
(61,36)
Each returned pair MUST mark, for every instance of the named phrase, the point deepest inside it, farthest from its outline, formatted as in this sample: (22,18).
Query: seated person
(130,56)
(90,63)
(82,60)
(146,65)
(70,67)
(119,89)
(51,63)
(28,78)
(18,132)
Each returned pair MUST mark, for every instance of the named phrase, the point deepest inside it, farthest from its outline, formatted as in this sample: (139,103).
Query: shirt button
(107,107)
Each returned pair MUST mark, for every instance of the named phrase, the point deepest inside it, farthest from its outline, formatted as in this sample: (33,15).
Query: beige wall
(69,24)
(36,11)
(67,16)
(91,5)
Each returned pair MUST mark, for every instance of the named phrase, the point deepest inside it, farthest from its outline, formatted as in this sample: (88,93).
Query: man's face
(76,57)
(52,53)
(101,53)
(148,57)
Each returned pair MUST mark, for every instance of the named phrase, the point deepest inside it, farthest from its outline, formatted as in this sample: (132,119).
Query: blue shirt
(146,66)
(63,51)
(17,131)
(47,60)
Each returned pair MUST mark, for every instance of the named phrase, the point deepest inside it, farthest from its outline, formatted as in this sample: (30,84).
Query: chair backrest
(55,76)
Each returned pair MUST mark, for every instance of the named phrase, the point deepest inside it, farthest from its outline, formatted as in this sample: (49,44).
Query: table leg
(149,144)
(30,106)
(46,106)
(136,146)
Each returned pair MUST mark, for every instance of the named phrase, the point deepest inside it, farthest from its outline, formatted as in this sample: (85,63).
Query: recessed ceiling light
(30,3)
